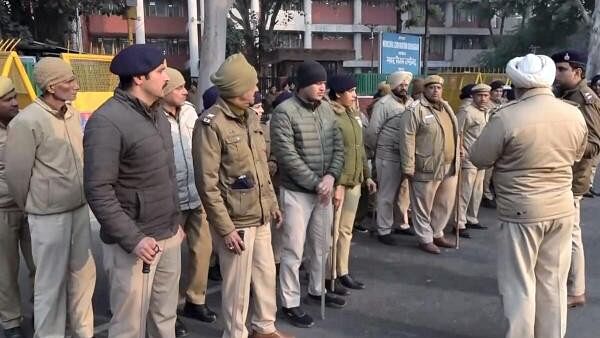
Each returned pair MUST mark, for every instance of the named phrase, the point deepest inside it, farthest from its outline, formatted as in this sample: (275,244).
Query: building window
(109,46)
(289,40)
(168,8)
(333,3)
(171,46)
(437,47)
(470,42)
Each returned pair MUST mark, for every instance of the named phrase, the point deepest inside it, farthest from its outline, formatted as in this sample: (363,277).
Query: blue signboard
(400,52)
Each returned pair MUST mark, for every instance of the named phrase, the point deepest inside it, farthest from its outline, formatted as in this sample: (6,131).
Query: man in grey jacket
(310,152)
(131,187)
(44,172)
(182,117)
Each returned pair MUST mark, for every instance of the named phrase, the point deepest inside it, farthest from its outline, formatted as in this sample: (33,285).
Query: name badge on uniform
(428,118)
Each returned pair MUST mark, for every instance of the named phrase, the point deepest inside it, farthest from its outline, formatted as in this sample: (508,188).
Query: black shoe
(405,232)
(463,233)
(359,227)
(330,300)
(339,288)
(490,204)
(199,312)
(351,283)
(477,226)
(214,273)
(588,194)
(297,317)
(15,332)
(387,239)
(180,329)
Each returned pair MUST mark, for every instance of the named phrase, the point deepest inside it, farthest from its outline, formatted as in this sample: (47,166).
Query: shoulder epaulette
(207,118)
(588,97)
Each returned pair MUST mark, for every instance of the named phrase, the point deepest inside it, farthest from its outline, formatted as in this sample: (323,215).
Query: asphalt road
(410,293)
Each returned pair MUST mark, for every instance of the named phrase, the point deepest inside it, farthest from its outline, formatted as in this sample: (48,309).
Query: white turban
(531,71)
(398,78)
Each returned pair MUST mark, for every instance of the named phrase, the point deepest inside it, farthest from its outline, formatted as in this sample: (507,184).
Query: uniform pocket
(240,202)
(424,164)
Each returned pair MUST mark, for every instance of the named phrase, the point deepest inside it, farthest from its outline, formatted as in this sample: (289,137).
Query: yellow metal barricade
(12,67)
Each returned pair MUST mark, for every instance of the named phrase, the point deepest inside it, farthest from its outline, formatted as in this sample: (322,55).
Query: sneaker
(297,317)
(330,300)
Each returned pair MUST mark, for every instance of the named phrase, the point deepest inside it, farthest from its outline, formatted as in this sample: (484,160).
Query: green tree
(253,32)
(49,20)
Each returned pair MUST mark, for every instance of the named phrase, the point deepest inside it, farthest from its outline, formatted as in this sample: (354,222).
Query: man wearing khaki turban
(44,171)
(232,178)
(532,143)
(382,134)
(14,230)
(430,160)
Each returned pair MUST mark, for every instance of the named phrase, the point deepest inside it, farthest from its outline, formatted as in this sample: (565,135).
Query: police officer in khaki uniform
(232,177)
(430,159)
(471,121)
(14,231)
(394,198)
(532,144)
(572,86)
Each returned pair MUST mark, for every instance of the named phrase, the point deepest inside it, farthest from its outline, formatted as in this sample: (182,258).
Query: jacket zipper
(74,158)
(187,175)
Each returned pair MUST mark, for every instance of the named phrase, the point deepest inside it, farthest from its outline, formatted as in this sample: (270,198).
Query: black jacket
(129,172)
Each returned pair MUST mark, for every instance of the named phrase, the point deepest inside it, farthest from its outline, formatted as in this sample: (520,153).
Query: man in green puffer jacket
(310,153)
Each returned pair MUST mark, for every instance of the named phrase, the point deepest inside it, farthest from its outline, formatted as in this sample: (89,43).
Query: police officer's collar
(536,92)
(228,108)
(308,105)
(567,92)
(63,113)
(137,104)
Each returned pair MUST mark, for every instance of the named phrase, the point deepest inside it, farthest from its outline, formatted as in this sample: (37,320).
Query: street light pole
(372,28)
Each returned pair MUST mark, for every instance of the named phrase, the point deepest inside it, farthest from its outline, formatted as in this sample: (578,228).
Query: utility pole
(193,37)
(140,29)
(399,16)
(426,40)
(372,28)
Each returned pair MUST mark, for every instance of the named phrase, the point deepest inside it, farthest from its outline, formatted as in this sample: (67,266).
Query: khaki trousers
(533,265)
(304,216)
(199,243)
(433,204)
(394,196)
(66,273)
(576,280)
(126,282)
(342,233)
(487,184)
(470,192)
(253,270)
(14,234)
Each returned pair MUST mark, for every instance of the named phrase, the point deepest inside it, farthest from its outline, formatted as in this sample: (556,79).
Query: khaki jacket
(532,144)
(44,160)
(471,121)
(422,142)
(7,202)
(226,147)
(589,104)
(383,110)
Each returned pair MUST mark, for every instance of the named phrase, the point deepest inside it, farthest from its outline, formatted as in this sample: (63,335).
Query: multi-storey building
(345,27)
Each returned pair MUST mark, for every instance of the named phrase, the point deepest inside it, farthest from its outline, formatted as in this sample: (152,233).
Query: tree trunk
(594,48)
(426,41)
(398,16)
(212,50)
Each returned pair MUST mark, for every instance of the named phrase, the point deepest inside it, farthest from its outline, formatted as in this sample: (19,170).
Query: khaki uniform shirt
(7,202)
(471,121)
(232,175)
(422,141)
(532,144)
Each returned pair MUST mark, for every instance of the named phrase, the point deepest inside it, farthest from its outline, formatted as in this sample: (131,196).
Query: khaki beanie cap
(52,70)
(6,86)
(175,80)
(235,76)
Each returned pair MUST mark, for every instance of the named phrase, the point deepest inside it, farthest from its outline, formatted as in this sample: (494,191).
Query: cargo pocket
(424,164)
(239,201)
